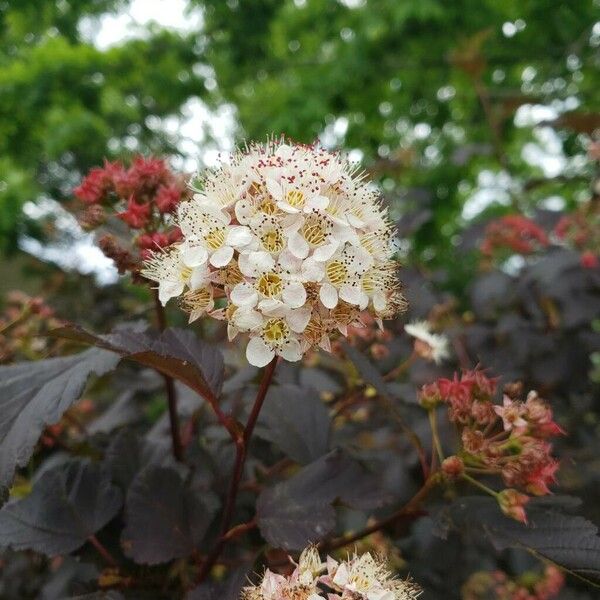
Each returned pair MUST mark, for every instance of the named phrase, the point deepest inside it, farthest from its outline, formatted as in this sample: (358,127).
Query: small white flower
(173,274)
(432,346)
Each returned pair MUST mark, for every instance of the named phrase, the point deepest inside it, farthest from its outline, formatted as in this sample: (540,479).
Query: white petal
(288,208)
(258,353)
(243,211)
(312,270)
(298,319)
(364,300)
(198,277)
(355,221)
(247,319)
(298,245)
(379,302)
(239,236)
(323,253)
(289,262)
(255,263)
(243,294)
(328,295)
(274,188)
(222,256)
(273,308)
(168,290)
(194,256)
(351,294)
(294,294)
(319,202)
(291,351)
(341,575)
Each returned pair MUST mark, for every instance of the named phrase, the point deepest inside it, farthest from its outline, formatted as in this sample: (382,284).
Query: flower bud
(453,467)
(512,504)
(429,396)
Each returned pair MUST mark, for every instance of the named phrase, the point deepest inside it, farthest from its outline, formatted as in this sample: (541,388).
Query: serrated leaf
(568,540)
(166,517)
(296,420)
(178,353)
(36,394)
(298,511)
(68,504)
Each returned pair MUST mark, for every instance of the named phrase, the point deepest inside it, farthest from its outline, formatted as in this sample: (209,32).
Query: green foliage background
(426,90)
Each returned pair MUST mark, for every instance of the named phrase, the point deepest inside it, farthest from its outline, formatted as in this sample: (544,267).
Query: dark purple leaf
(568,540)
(67,505)
(178,353)
(298,511)
(36,394)
(296,420)
(166,516)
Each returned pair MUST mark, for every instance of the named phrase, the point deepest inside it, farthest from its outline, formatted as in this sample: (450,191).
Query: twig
(410,509)
(241,447)
(106,555)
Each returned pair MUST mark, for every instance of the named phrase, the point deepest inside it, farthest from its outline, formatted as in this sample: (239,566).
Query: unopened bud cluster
(510,440)
(144,197)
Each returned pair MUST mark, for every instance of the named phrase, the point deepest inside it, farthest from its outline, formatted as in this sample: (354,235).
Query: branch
(410,510)
(241,448)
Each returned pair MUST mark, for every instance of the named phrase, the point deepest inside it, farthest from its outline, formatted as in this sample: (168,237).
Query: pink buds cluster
(143,196)
(497,585)
(515,233)
(510,440)
(581,231)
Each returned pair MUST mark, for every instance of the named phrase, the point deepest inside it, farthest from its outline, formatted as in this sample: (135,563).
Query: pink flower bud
(453,466)
(512,504)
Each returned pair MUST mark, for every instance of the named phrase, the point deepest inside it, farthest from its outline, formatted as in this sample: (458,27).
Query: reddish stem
(106,555)
(410,510)
(241,447)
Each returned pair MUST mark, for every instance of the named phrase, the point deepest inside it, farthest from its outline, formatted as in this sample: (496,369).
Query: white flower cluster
(358,578)
(293,240)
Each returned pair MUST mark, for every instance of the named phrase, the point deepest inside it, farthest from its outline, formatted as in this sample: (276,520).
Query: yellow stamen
(276,331)
(337,273)
(269,285)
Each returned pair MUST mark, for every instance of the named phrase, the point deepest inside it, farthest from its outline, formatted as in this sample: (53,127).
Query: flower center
(269,285)
(295,198)
(315,230)
(337,273)
(267,206)
(272,241)
(276,331)
(215,238)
